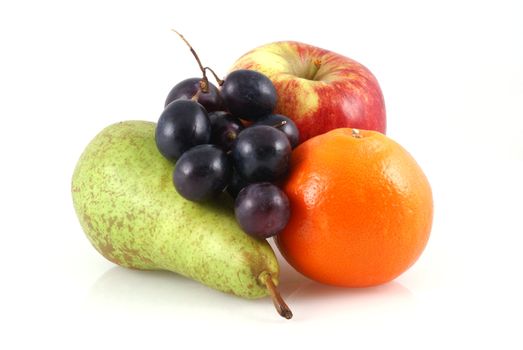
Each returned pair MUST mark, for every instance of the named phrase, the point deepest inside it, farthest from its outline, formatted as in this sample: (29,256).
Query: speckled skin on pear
(126,203)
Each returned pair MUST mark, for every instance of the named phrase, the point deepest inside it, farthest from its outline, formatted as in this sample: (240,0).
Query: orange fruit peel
(361,209)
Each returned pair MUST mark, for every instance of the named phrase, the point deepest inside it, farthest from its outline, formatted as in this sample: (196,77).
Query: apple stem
(204,83)
(315,69)
(277,300)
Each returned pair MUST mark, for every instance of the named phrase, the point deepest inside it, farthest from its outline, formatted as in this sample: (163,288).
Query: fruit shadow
(292,283)
(126,291)
(123,291)
(307,297)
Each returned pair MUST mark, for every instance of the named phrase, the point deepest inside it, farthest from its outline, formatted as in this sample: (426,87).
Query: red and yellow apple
(318,89)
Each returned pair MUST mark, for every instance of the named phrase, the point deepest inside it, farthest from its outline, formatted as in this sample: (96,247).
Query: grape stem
(277,300)
(197,95)
(231,136)
(204,83)
(218,80)
(280,124)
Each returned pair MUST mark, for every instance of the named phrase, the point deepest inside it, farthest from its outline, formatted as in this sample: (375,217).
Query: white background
(452,76)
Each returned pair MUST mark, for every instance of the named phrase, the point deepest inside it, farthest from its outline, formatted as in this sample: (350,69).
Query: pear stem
(204,83)
(277,300)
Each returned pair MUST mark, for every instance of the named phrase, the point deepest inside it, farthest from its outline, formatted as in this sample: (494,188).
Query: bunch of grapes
(202,129)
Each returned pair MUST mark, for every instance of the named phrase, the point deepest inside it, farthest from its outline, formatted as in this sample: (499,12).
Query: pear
(125,200)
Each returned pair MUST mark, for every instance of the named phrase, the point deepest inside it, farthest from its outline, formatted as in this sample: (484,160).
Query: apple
(318,89)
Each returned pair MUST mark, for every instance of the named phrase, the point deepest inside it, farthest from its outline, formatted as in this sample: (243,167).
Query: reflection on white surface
(121,291)
(134,291)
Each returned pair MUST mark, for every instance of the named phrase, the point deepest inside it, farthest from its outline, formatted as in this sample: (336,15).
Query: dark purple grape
(262,210)
(187,88)
(224,129)
(289,128)
(236,184)
(182,125)
(261,153)
(202,173)
(248,94)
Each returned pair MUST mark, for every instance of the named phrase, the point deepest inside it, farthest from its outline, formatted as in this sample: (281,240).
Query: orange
(361,209)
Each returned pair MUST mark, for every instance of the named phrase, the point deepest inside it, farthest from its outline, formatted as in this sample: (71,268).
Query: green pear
(129,209)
